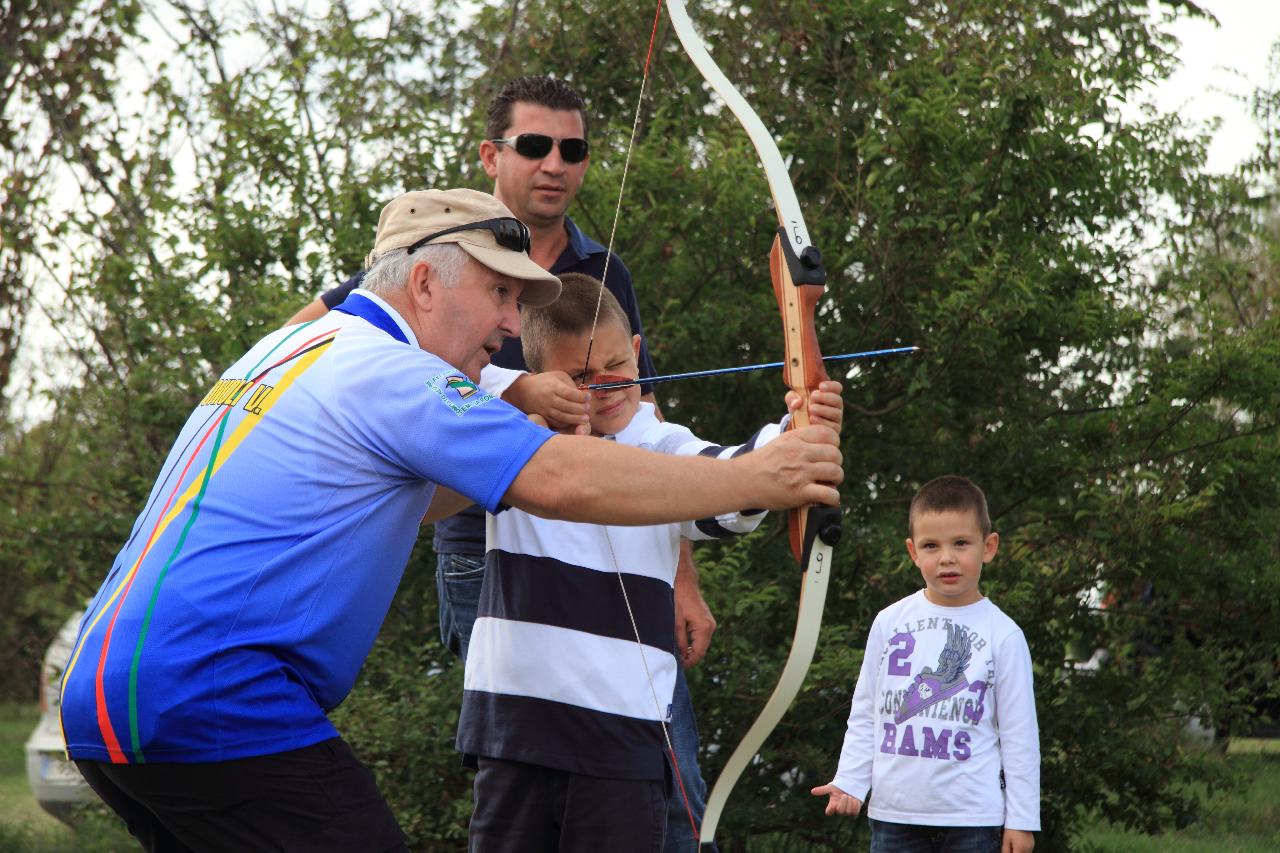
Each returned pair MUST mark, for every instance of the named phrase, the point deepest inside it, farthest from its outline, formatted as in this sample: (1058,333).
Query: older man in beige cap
(242,607)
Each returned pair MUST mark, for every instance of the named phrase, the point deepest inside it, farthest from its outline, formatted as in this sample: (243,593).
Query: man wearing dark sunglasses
(536,151)
(536,146)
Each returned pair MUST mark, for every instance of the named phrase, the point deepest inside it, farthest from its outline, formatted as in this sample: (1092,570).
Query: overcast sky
(1221,67)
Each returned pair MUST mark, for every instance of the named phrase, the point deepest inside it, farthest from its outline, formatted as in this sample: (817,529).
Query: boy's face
(950,550)
(614,353)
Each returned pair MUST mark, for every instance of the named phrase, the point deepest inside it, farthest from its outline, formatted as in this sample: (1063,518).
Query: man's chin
(473,368)
(546,209)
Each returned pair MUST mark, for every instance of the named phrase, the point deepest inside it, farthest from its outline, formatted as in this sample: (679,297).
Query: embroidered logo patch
(458,392)
(462,385)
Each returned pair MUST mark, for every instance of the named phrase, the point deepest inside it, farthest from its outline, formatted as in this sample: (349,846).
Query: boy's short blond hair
(573,313)
(950,493)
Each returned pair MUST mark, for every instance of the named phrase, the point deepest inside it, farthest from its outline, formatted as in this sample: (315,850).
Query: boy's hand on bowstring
(554,398)
(826,407)
(838,801)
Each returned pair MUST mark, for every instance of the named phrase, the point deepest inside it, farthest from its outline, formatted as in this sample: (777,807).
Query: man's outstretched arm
(581,478)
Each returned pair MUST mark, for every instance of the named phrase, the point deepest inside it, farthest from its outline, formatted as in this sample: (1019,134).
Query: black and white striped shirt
(554,674)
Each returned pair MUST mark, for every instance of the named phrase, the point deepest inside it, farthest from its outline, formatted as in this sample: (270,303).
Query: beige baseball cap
(410,217)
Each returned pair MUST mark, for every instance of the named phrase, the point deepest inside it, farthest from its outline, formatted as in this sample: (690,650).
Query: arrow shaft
(672,377)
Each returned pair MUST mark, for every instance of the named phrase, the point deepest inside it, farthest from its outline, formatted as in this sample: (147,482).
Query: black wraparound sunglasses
(510,233)
(535,146)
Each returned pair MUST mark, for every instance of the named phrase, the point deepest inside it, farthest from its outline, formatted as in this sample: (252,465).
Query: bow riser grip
(802,369)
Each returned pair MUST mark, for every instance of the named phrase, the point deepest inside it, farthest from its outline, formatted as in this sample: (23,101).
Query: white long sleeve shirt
(943,724)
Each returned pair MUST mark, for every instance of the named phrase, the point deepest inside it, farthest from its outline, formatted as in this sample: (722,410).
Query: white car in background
(55,782)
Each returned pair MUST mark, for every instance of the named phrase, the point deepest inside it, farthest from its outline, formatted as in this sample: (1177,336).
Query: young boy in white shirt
(572,662)
(943,725)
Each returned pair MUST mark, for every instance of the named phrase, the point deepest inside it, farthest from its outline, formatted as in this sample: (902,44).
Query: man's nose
(553,163)
(510,322)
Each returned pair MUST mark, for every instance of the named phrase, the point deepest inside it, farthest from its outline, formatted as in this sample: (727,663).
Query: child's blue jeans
(907,838)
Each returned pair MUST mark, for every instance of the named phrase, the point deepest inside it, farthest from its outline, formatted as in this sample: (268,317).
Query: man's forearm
(580,478)
(444,503)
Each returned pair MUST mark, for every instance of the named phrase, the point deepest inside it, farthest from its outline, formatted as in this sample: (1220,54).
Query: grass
(24,826)
(1253,746)
(17,807)
(1242,821)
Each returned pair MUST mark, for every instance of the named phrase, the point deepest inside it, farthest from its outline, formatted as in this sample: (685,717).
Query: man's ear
(422,284)
(489,158)
(635,346)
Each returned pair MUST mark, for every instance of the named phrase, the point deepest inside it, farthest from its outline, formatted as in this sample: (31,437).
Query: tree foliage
(1097,313)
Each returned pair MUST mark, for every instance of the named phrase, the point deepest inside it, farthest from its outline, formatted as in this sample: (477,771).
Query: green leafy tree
(54,63)
(1096,311)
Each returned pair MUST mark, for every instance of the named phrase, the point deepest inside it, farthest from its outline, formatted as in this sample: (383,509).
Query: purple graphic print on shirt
(933,685)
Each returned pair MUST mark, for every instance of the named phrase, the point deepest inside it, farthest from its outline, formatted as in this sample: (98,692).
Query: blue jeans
(906,838)
(683,730)
(459,578)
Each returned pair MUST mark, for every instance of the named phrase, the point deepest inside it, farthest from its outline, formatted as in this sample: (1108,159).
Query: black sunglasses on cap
(535,146)
(510,233)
